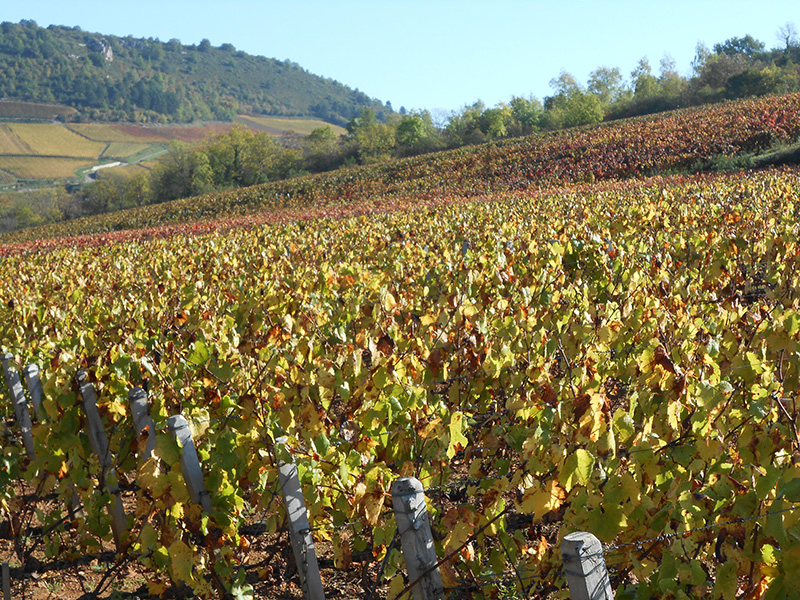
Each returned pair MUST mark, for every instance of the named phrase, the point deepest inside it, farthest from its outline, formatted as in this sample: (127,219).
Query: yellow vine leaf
(457,439)
(539,502)
(182,559)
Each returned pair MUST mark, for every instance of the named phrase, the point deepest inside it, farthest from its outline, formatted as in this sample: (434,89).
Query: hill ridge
(137,79)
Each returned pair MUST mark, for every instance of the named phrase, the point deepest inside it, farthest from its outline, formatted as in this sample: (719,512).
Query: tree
(494,122)
(137,190)
(787,33)
(463,128)
(373,140)
(527,115)
(321,149)
(608,85)
(645,84)
(759,82)
(565,85)
(718,68)
(416,134)
(701,57)
(571,106)
(672,84)
(747,45)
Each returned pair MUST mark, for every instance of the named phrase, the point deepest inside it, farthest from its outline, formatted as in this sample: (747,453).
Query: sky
(438,55)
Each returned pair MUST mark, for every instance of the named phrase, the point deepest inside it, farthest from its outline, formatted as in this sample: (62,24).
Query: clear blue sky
(434,54)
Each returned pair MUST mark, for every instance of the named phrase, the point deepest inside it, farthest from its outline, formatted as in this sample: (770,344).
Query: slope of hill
(686,140)
(108,77)
(36,154)
(620,358)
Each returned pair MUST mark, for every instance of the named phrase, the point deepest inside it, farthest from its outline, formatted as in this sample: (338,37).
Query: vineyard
(546,347)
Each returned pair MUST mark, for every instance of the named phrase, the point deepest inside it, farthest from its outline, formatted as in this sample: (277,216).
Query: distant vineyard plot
(102,132)
(54,140)
(33,110)
(33,167)
(281,126)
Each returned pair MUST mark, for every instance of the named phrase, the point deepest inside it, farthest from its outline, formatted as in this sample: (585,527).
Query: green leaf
(607,521)
(726,582)
(200,354)
(791,490)
(322,444)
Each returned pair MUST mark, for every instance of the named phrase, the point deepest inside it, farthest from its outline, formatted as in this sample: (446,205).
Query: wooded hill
(106,77)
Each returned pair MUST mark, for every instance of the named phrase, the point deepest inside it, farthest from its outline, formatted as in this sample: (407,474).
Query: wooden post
(6,360)
(299,528)
(190,464)
(137,398)
(34,384)
(21,410)
(408,499)
(585,567)
(6,582)
(99,443)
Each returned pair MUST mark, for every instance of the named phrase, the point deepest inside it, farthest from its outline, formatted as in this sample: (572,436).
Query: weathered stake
(137,398)
(300,530)
(6,360)
(408,499)
(99,443)
(34,384)
(21,410)
(190,464)
(585,567)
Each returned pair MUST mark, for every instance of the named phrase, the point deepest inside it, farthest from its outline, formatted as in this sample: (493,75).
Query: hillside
(43,153)
(570,332)
(106,77)
(679,141)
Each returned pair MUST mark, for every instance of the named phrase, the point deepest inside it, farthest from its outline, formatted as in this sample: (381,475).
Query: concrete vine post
(299,527)
(413,523)
(99,443)
(21,411)
(190,463)
(585,567)
(34,384)
(137,398)
(6,361)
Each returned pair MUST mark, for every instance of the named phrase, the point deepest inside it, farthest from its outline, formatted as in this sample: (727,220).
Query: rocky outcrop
(100,45)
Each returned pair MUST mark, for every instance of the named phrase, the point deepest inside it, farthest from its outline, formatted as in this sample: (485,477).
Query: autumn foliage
(619,357)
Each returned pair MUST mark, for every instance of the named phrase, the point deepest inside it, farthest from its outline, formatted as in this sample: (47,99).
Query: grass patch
(47,139)
(126,150)
(7,178)
(783,154)
(788,154)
